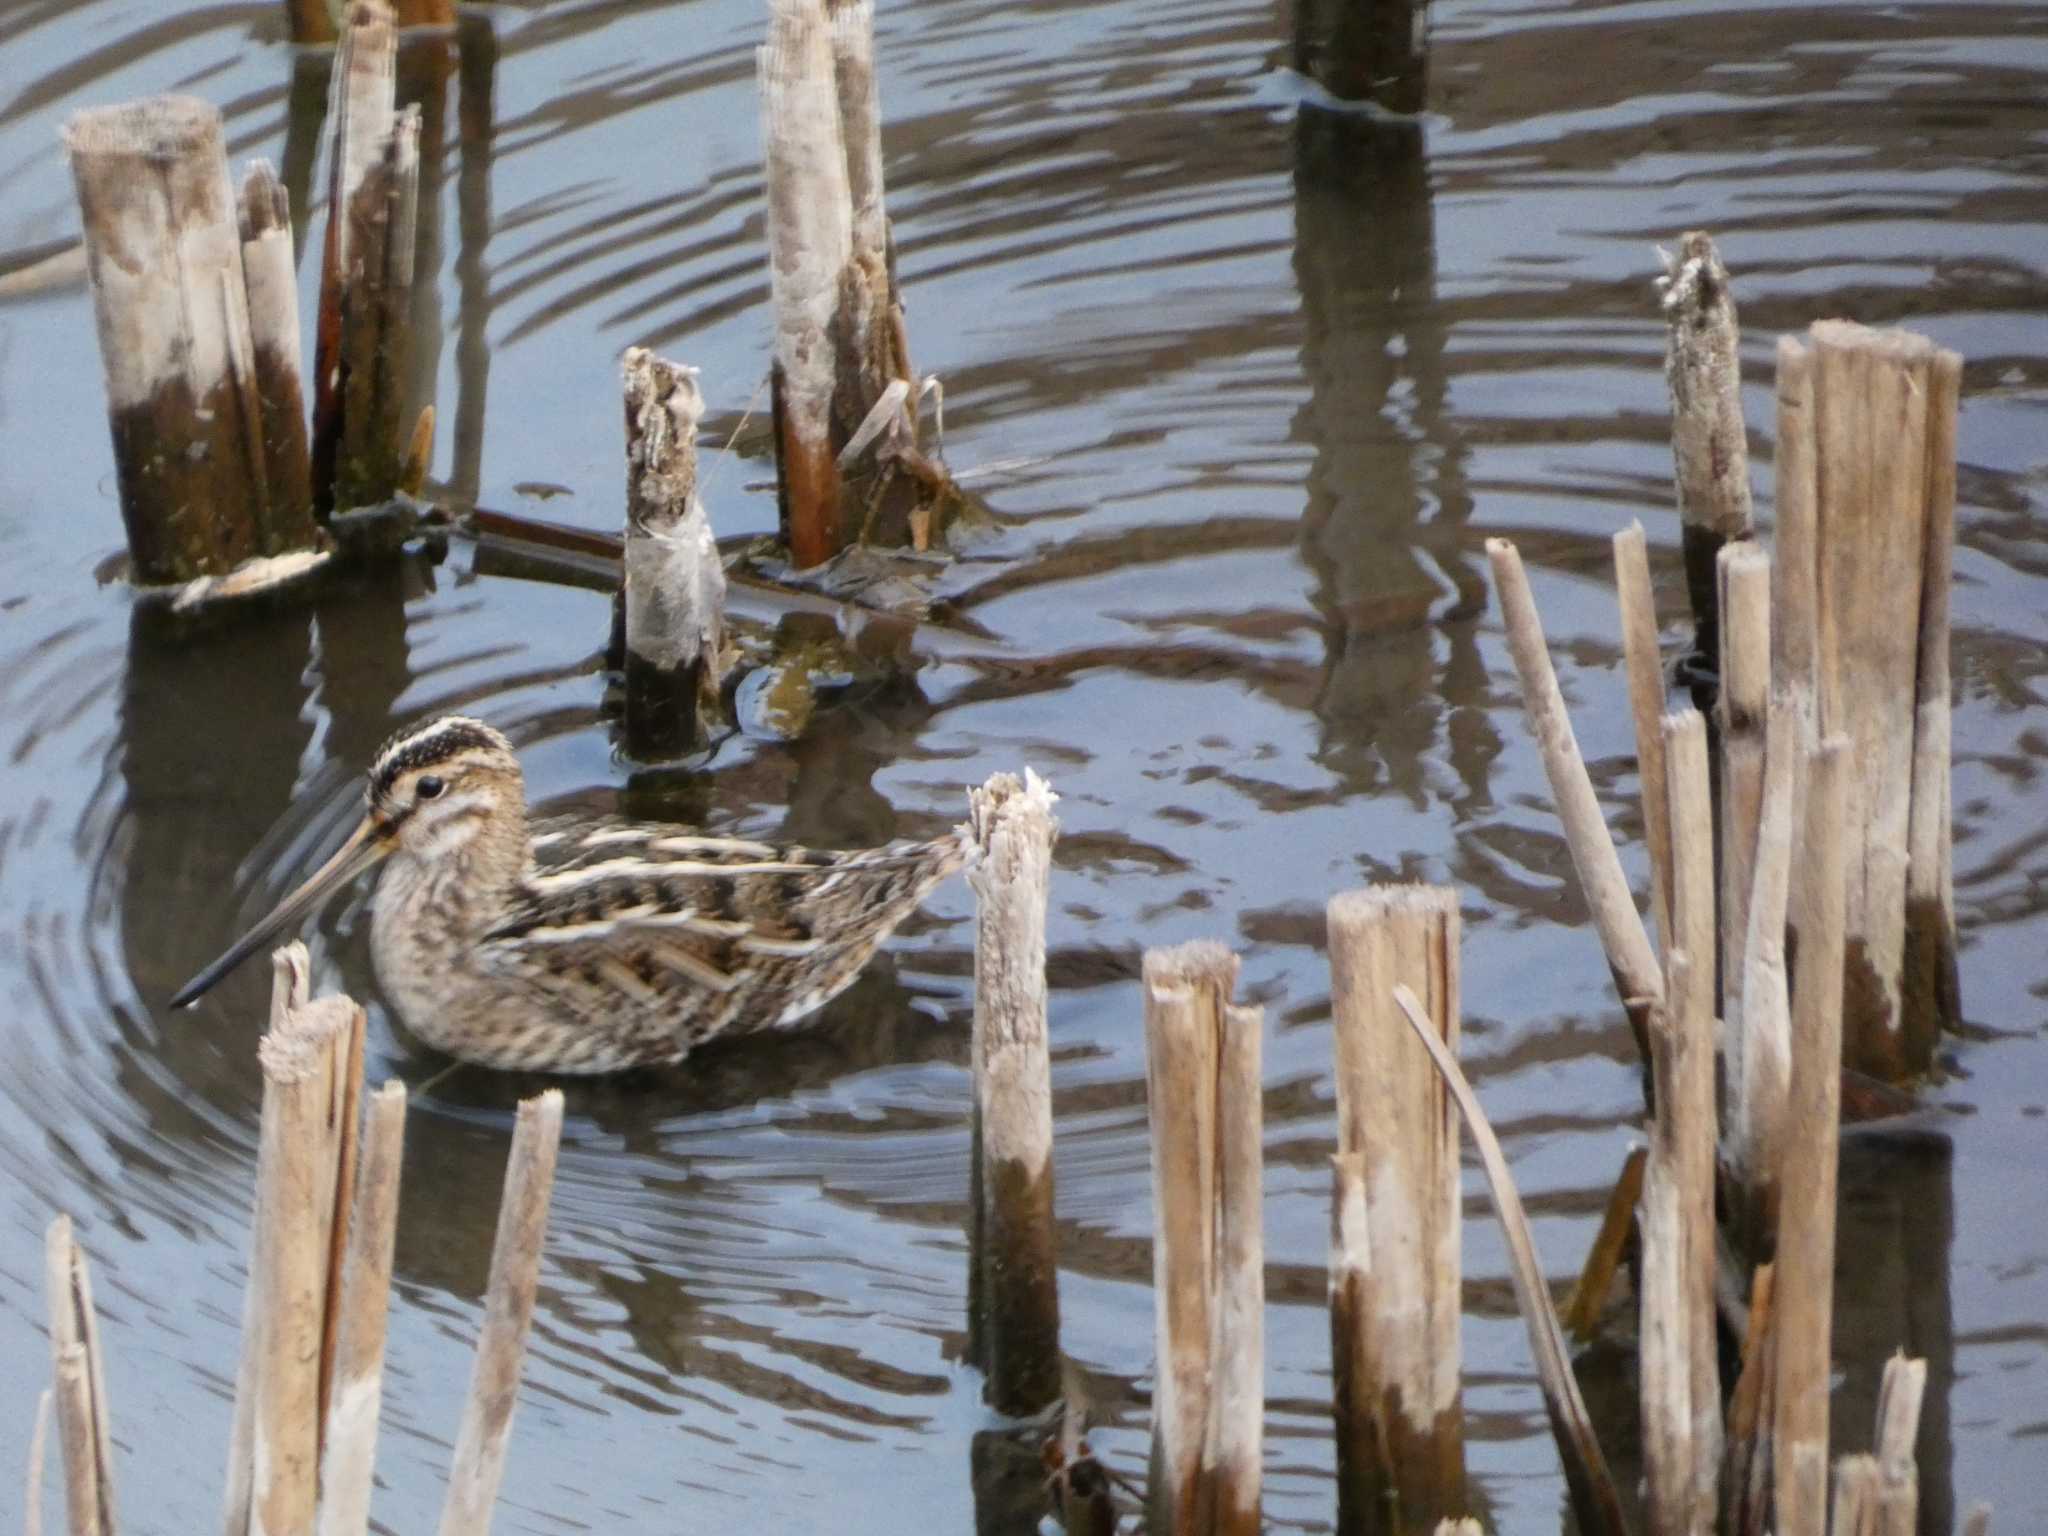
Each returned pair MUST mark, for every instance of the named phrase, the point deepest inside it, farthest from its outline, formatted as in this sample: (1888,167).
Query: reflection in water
(1387,501)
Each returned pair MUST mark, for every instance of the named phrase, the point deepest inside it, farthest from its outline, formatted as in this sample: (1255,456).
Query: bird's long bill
(366,845)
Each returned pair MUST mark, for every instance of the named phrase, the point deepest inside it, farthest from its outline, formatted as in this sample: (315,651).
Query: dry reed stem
(1760,1030)
(1744,575)
(1582,1312)
(1237,1405)
(1807,1161)
(1186,990)
(1017,1252)
(1665,1348)
(1746,1459)
(479,1459)
(1898,1428)
(81,1389)
(1392,1108)
(1794,593)
(38,1451)
(1646,705)
(1601,881)
(1595,1502)
(356,1393)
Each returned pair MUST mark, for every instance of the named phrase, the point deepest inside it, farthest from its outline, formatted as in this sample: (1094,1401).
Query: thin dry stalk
(356,1393)
(1856,1486)
(1807,1164)
(1709,445)
(674,605)
(1186,990)
(81,1388)
(1746,1481)
(1603,1259)
(1392,1108)
(38,1451)
(1666,1334)
(1795,594)
(1745,662)
(1017,1252)
(1595,1502)
(1932,998)
(1237,1405)
(1601,882)
(479,1459)
(1760,1030)
(1646,704)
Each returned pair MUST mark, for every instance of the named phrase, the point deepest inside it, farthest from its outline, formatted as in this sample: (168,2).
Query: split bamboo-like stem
(1795,636)
(674,600)
(1016,1252)
(1601,881)
(1235,1439)
(1807,1161)
(1709,444)
(1931,991)
(1646,704)
(1746,1464)
(810,244)
(1666,1337)
(1744,573)
(38,1452)
(270,275)
(1393,1110)
(479,1459)
(1898,1428)
(1760,1018)
(1595,1502)
(81,1388)
(1689,998)
(304,1064)
(1186,992)
(164,259)
(1855,1506)
(356,1391)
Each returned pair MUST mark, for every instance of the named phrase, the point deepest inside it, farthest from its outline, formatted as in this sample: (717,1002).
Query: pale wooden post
(271,278)
(1394,1114)
(1016,1249)
(674,600)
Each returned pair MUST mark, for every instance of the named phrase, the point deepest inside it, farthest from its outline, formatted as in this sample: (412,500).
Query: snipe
(584,946)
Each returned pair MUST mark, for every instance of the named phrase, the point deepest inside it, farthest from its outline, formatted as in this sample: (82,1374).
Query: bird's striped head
(435,786)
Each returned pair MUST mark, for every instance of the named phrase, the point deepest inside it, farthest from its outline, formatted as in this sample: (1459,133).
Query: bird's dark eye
(428,787)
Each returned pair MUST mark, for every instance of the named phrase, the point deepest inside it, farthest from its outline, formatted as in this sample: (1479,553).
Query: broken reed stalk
(38,1449)
(1202,1076)
(1746,1463)
(1804,1303)
(1758,999)
(305,1097)
(1689,1014)
(361,441)
(1601,881)
(1884,530)
(1709,446)
(1603,1259)
(1931,992)
(1400,1430)
(479,1459)
(1595,1503)
(355,1393)
(1665,1347)
(164,258)
(270,276)
(674,598)
(1744,583)
(1646,705)
(809,246)
(1016,1250)
(81,1387)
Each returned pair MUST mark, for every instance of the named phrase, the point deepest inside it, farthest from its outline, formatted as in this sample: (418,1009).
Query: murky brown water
(1281,370)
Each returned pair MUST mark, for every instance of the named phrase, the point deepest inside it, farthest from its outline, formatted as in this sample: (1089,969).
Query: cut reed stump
(674,583)
(1867,546)
(271,277)
(845,402)
(1015,1313)
(362,440)
(1709,445)
(81,1388)
(1395,1278)
(164,256)
(1203,1094)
